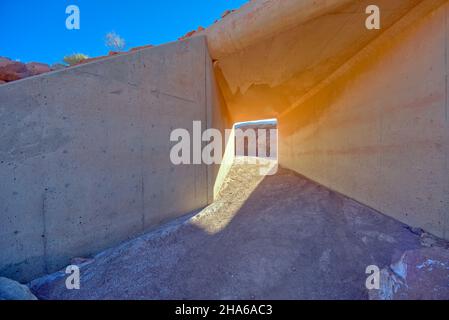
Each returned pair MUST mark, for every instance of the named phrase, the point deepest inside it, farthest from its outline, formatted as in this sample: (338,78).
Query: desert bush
(75,58)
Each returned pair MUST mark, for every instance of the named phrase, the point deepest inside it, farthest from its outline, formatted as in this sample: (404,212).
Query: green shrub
(75,58)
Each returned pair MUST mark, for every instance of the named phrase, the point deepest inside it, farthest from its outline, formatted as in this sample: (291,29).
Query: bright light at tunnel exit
(256,122)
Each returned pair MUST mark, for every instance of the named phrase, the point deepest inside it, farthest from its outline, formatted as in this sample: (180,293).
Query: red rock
(36,68)
(4,61)
(188,35)
(113,53)
(12,70)
(141,47)
(200,28)
(2,82)
(227,12)
(420,274)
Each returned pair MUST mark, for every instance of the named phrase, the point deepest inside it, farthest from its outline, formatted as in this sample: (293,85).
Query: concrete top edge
(102,60)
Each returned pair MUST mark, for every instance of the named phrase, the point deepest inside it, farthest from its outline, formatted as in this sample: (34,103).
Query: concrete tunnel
(341,124)
(361,112)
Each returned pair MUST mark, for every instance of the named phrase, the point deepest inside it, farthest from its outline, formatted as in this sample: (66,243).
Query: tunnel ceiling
(262,79)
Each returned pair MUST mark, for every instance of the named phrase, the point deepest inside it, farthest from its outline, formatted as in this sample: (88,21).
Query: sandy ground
(273,237)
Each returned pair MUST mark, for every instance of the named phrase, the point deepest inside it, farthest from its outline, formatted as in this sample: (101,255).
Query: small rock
(89,60)
(428,242)
(141,47)
(2,81)
(188,35)
(12,290)
(227,12)
(417,231)
(79,261)
(36,68)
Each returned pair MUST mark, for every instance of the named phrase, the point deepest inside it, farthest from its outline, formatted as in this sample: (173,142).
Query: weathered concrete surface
(84,154)
(282,236)
(378,129)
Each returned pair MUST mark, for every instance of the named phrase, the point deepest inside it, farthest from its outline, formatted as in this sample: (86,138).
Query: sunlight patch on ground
(237,187)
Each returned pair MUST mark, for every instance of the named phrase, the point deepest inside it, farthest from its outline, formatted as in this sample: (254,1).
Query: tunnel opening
(256,138)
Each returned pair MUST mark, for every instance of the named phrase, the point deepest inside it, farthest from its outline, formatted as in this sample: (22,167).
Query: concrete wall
(84,154)
(377,130)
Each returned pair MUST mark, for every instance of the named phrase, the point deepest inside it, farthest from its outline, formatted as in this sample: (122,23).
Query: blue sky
(33,30)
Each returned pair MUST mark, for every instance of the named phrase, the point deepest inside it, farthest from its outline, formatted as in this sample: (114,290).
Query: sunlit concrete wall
(84,154)
(377,130)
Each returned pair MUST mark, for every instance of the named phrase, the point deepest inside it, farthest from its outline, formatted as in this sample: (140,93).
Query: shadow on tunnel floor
(273,237)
